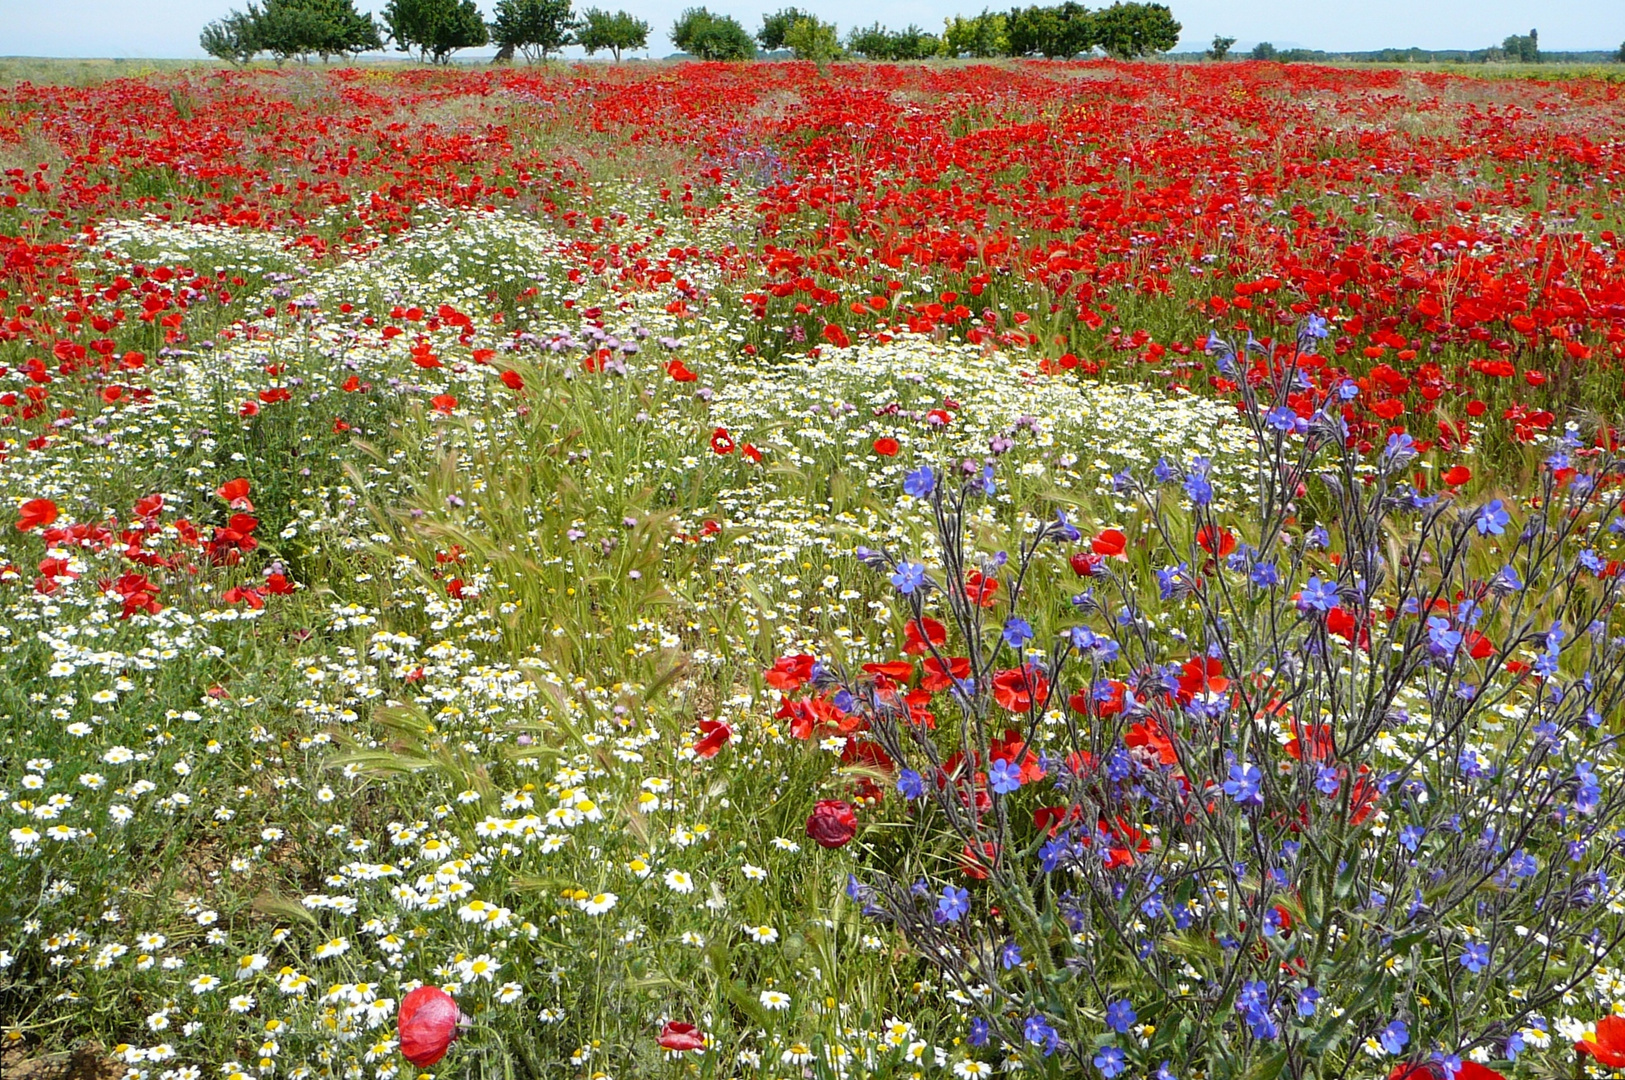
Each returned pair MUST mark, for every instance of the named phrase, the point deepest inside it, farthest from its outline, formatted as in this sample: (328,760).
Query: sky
(154,29)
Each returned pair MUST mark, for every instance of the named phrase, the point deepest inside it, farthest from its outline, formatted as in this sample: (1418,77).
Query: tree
(1620,55)
(870,42)
(534,28)
(1064,30)
(810,38)
(1525,49)
(599,29)
(777,25)
(913,43)
(980,36)
(435,28)
(1263,51)
(230,39)
(1220,47)
(292,28)
(711,37)
(1125,31)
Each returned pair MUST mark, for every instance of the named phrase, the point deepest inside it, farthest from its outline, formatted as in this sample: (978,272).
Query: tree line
(434,29)
(1123,30)
(535,29)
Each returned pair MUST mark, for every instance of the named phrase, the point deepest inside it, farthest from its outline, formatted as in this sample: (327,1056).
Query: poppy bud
(832,823)
(427,1024)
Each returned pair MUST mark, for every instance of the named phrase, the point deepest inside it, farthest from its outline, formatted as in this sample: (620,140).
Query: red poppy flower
(936,678)
(1216,542)
(35,513)
(235,492)
(1608,1048)
(1109,542)
(1149,737)
(427,1024)
(789,672)
(679,372)
(922,632)
(1432,1070)
(680,1037)
(1458,475)
(721,441)
(832,823)
(1086,564)
(1017,689)
(713,735)
(981,590)
(443,403)
(513,380)
(886,446)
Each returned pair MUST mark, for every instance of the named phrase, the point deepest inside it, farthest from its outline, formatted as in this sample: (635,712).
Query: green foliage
(712,37)
(776,27)
(435,28)
(1264,51)
(810,38)
(534,28)
(1620,56)
(617,31)
(1524,48)
(1220,49)
(980,36)
(878,43)
(230,39)
(1064,30)
(1124,31)
(291,28)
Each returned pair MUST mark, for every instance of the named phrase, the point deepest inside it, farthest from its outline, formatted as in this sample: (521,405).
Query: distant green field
(83,72)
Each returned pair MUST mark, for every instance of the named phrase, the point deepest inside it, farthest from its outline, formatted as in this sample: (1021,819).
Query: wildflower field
(1075,569)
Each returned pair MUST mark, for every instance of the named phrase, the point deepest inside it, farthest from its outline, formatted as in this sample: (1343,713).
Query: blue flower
(1282,419)
(1401,448)
(910,784)
(1327,782)
(1050,855)
(1243,784)
(1110,1061)
(1264,575)
(953,904)
(1308,1000)
(1410,837)
(1394,1037)
(1163,471)
(909,576)
(1038,1031)
(1197,486)
(1492,519)
(1065,530)
(1017,632)
(1004,777)
(1475,957)
(1317,595)
(1315,328)
(1010,955)
(1522,864)
(979,1031)
(920,483)
(1120,1016)
(1164,1072)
